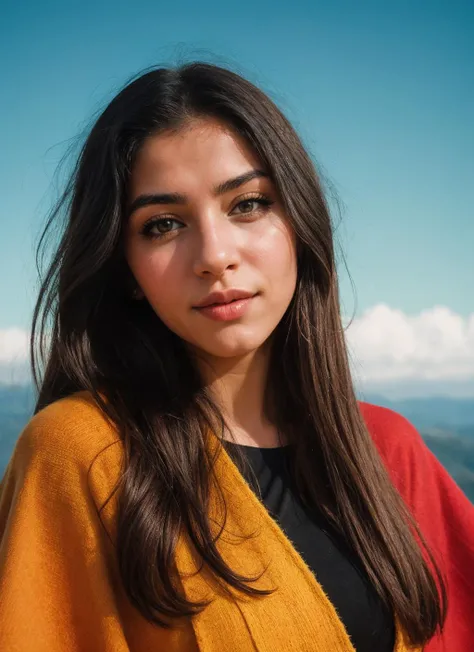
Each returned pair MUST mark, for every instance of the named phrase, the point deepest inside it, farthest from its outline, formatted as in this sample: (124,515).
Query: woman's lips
(226,311)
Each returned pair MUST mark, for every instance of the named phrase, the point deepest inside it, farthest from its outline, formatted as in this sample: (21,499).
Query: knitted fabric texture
(60,587)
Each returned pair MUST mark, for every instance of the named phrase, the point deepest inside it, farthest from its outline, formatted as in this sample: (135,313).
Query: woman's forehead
(201,155)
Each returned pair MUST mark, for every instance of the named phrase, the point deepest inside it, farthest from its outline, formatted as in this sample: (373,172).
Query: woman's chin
(230,349)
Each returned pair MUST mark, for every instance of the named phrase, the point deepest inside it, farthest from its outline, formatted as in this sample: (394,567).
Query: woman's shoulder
(72,427)
(398,442)
(390,430)
(71,442)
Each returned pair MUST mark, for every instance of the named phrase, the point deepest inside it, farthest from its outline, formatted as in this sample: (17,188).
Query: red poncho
(443,512)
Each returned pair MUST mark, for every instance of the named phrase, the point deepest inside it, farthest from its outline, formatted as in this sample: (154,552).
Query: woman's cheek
(160,277)
(274,248)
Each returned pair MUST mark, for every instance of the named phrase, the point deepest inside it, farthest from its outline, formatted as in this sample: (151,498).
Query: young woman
(198,474)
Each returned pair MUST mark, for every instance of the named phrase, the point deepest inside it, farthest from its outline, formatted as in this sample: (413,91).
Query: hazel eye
(247,206)
(164,225)
(160,227)
(251,205)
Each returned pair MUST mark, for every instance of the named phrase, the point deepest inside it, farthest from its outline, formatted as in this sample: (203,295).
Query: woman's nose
(216,248)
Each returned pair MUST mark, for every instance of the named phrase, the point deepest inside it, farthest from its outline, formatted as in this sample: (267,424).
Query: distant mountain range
(433,412)
(446,425)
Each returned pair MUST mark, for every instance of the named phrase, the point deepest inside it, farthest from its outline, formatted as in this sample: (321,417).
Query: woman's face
(205,218)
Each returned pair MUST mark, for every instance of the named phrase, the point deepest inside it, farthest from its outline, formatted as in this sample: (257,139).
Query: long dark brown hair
(89,334)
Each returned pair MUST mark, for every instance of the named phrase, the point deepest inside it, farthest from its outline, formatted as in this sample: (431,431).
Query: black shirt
(336,566)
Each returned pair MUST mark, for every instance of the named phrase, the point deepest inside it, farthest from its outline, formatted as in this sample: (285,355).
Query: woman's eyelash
(264,201)
(146,230)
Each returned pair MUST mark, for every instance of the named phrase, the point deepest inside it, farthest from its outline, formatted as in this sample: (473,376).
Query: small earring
(136,294)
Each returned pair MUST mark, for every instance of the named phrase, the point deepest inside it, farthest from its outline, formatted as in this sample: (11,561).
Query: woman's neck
(238,386)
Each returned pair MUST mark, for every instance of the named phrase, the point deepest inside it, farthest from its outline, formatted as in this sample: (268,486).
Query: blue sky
(382,94)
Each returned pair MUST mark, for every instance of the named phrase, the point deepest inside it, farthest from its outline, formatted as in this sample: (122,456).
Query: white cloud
(14,363)
(390,352)
(428,353)
(13,345)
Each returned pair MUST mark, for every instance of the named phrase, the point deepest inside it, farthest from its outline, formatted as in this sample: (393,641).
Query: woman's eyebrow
(179,198)
(232,184)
